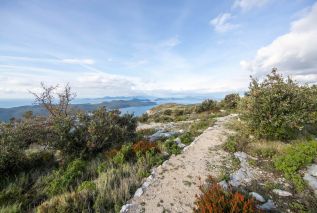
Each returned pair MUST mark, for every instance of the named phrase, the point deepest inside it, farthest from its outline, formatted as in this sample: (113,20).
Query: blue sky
(157,47)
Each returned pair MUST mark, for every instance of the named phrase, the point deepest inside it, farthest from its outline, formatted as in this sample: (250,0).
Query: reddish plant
(144,146)
(216,200)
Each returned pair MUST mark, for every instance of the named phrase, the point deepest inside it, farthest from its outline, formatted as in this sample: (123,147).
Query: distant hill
(17,112)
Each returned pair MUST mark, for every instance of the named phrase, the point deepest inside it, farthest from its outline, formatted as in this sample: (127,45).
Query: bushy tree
(107,129)
(207,105)
(231,101)
(279,108)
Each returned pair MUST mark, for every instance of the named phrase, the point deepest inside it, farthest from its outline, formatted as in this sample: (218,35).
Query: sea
(9,103)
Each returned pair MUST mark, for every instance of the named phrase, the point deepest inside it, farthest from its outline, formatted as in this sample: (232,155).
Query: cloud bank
(294,53)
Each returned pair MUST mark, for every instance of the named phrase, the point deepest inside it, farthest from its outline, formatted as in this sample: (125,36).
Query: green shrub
(267,152)
(187,138)
(87,185)
(108,129)
(168,112)
(153,158)
(125,154)
(40,159)
(171,147)
(231,101)
(279,109)
(207,105)
(66,179)
(12,155)
(295,158)
(231,144)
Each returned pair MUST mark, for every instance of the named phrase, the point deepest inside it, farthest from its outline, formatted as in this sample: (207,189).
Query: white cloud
(171,42)
(248,4)
(87,61)
(294,53)
(222,23)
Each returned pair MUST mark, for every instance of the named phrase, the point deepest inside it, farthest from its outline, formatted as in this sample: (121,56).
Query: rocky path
(172,186)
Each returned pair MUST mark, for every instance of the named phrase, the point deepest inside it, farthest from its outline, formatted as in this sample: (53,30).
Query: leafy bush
(12,148)
(231,101)
(87,185)
(215,199)
(206,105)
(238,142)
(171,147)
(84,134)
(66,179)
(279,109)
(231,144)
(40,159)
(124,154)
(187,138)
(295,158)
(108,129)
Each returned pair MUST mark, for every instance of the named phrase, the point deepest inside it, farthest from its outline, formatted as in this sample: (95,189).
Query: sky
(153,47)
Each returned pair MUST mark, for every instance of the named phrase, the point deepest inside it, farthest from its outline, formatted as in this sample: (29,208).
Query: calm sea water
(8,103)
(142,109)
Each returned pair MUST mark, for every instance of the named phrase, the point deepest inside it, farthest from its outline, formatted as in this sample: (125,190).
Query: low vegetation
(74,161)
(278,126)
(215,199)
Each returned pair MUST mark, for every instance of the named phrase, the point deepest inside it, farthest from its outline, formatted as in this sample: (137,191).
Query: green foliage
(68,178)
(67,136)
(87,185)
(266,152)
(152,158)
(83,134)
(197,127)
(171,147)
(107,129)
(231,101)
(40,159)
(279,109)
(207,105)
(231,144)
(186,138)
(125,154)
(295,158)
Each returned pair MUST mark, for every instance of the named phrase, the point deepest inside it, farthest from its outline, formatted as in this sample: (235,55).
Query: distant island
(17,112)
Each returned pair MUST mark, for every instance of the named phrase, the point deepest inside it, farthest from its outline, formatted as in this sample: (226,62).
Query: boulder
(269,205)
(312,182)
(257,196)
(244,175)
(312,170)
(138,192)
(161,134)
(125,208)
(179,143)
(282,193)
